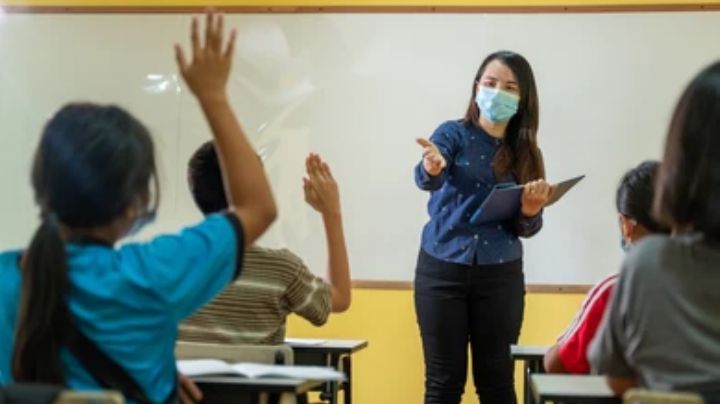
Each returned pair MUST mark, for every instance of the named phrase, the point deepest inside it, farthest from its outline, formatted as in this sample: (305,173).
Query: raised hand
(207,72)
(247,189)
(321,190)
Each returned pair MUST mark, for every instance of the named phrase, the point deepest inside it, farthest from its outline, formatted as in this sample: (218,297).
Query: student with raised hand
(469,282)
(274,282)
(77,310)
(633,200)
(662,330)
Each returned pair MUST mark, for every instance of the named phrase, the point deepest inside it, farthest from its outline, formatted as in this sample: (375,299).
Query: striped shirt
(253,309)
(574,342)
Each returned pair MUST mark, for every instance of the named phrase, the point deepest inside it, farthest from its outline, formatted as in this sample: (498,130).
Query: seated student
(633,201)
(274,283)
(79,311)
(662,330)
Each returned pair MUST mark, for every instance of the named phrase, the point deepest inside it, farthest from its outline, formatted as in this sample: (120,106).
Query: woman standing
(469,284)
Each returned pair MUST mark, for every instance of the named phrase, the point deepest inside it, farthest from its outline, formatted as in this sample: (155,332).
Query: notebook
(216,367)
(504,200)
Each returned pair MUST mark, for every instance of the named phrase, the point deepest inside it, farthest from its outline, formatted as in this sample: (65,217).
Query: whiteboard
(358,88)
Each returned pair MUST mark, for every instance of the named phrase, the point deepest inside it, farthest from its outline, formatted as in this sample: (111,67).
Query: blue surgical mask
(140,222)
(625,245)
(496,105)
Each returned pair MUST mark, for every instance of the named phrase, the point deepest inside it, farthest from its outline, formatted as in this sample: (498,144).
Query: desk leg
(531,367)
(334,392)
(288,398)
(526,383)
(325,394)
(537,366)
(330,389)
(334,386)
(347,386)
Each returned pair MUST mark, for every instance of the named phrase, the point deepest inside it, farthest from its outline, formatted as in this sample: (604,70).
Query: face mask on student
(496,105)
(143,217)
(624,244)
(140,222)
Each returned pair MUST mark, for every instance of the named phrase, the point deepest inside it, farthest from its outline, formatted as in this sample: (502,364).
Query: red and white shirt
(574,342)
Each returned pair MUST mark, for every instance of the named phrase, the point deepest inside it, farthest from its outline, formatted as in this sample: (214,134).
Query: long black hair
(688,186)
(92,165)
(519,153)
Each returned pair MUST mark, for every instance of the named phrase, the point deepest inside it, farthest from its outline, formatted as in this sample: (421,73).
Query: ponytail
(44,314)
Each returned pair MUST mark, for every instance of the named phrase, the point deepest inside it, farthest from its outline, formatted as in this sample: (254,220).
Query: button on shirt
(457,192)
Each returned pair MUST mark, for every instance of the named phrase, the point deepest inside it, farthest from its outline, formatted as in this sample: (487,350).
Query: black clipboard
(505,200)
(561,188)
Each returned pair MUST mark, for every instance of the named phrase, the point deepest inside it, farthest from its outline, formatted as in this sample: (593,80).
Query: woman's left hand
(535,195)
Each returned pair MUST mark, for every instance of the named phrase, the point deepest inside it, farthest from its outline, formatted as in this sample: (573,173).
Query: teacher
(469,282)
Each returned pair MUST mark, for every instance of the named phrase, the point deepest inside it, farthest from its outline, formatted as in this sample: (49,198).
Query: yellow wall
(390,370)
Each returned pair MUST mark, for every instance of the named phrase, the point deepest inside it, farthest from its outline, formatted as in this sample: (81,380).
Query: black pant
(480,304)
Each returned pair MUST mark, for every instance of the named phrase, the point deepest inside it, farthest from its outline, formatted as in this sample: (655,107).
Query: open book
(216,367)
(504,200)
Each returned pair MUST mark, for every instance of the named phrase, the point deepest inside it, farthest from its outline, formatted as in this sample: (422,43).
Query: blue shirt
(129,301)
(457,192)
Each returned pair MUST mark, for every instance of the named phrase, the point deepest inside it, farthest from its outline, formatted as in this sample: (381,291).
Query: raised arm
(206,74)
(321,192)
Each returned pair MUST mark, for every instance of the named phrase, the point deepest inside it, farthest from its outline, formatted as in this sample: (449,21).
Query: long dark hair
(688,186)
(92,164)
(519,153)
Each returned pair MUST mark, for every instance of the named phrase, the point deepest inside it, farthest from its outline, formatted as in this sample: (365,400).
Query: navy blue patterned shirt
(457,192)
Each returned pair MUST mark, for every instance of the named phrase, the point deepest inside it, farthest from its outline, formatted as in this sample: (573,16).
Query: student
(633,201)
(469,282)
(78,311)
(662,330)
(274,283)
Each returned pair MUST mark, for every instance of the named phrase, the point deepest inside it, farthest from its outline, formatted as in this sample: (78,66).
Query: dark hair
(688,186)
(91,165)
(635,193)
(519,153)
(205,180)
